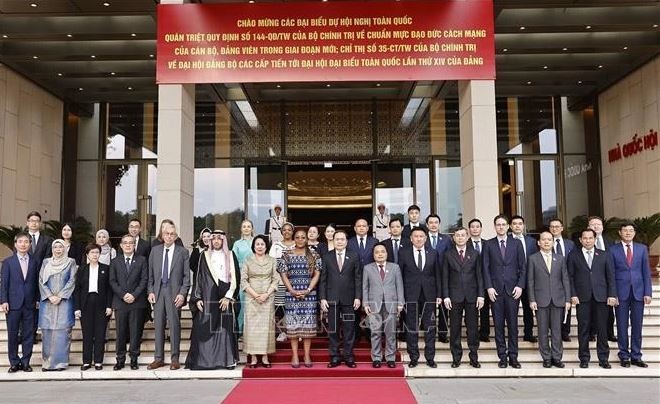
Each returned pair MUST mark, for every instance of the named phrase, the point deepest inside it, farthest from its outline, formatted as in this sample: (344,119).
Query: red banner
(326,41)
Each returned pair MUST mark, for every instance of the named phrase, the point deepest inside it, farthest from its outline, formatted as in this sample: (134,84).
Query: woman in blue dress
(57,281)
(300,269)
(242,249)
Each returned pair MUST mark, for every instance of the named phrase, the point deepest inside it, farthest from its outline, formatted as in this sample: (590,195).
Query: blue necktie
(166,264)
(396,251)
(433,241)
(477,247)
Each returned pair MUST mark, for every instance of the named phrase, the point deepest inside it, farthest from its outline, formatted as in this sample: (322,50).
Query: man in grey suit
(169,281)
(382,292)
(549,291)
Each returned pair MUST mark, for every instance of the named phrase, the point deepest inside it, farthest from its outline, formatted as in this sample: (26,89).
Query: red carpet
(283,371)
(321,391)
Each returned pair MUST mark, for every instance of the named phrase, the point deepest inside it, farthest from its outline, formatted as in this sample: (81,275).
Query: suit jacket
(637,276)
(77,252)
(367,255)
(504,274)
(143,248)
(569,245)
(597,282)
(44,248)
(470,246)
(462,281)
(548,287)
(415,281)
(82,286)
(133,281)
(531,246)
(179,280)
(341,287)
(405,233)
(442,244)
(389,246)
(15,290)
(388,291)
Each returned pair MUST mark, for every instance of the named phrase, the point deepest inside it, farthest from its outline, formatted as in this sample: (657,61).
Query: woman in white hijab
(57,281)
(107,252)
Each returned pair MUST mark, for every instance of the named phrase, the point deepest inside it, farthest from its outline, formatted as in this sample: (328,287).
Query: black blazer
(82,286)
(415,281)
(341,287)
(76,251)
(405,233)
(596,284)
(389,246)
(367,256)
(143,248)
(44,248)
(462,281)
(133,282)
(504,274)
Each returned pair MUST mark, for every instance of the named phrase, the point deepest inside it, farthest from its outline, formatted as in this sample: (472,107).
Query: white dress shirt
(563,246)
(170,254)
(521,237)
(416,253)
(93,286)
(585,252)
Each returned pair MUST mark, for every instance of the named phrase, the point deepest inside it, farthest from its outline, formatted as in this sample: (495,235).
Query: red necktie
(382,273)
(628,255)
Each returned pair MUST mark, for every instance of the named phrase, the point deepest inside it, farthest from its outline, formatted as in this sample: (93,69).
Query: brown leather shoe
(155,365)
(175,365)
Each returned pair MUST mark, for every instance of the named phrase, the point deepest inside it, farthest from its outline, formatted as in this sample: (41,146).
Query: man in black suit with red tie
(593,293)
(420,269)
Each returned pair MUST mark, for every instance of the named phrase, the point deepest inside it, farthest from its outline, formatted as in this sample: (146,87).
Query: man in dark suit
(396,240)
(340,292)
(363,243)
(549,291)
(561,247)
(19,295)
(142,247)
(420,270)
(413,221)
(463,291)
(593,290)
(504,278)
(169,281)
(633,287)
(476,243)
(40,249)
(440,243)
(529,245)
(603,243)
(128,280)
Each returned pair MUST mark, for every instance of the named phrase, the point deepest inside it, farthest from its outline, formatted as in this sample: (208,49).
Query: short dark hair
(127,236)
(418,228)
(588,231)
(413,207)
(92,246)
(626,224)
(33,213)
(396,219)
(263,238)
(475,220)
(379,244)
(556,219)
(22,234)
(341,231)
(514,217)
(501,216)
(460,228)
(135,219)
(361,218)
(432,215)
(590,218)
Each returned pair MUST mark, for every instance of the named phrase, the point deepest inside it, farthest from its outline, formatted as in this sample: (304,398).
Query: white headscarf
(53,265)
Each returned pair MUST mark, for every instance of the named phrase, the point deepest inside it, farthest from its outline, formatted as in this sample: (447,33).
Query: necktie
(433,241)
(590,258)
(128,264)
(361,243)
(477,247)
(548,261)
(502,249)
(460,253)
(382,272)
(396,251)
(24,267)
(166,266)
(599,243)
(559,250)
(340,261)
(419,260)
(34,243)
(628,255)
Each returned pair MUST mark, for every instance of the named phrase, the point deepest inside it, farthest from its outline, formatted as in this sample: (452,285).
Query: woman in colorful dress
(300,270)
(259,280)
(57,281)
(242,249)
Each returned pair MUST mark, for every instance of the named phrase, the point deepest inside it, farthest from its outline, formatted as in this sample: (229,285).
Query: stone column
(479,168)
(176,157)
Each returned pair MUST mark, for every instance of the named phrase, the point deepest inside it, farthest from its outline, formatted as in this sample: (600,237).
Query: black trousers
(528,315)
(130,324)
(425,309)
(443,317)
(484,318)
(505,313)
(611,315)
(94,323)
(341,317)
(592,314)
(566,327)
(455,319)
(21,318)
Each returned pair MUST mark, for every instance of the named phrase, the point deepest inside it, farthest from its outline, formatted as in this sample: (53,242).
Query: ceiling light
(80,88)
(151,55)
(327,85)
(133,35)
(522,28)
(59,74)
(529,83)
(251,1)
(35,57)
(112,73)
(655,25)
(545,67)
(69,36)
(5,36)
(625,48)
(505,50)
(93,56)
(377,84)
(106,4)
(34,5)
(579,81)
(588,27)
(279,86)
(600,66)
(564,49)
(130,88)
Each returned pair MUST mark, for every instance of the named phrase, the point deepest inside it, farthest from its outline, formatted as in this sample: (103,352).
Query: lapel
(160,250)
(554,265)
(428,258)
(336,264)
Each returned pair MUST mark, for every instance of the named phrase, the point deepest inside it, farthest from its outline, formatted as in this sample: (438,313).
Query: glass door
(265,190)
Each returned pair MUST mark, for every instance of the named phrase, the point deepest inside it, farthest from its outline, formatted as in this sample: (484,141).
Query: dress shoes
(584,364)
(444,339)
(612,338)
(28,368)
(531,339)
(455,364)
(639,363)
(391,364)
(118,366)
(514,363)
(155,365)
(134,365)
(98,366)
(267,365)
(333,364)
(85,366)
(13,369)
(484,339)
(376,364)
(412,363)
(351,364)
(625,363)
(175,365)
(475,363)
(547,364)
(592,338)
(605,365)
(566,338)
(431,363)
(234,367)
(558,364)
(502,364)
